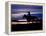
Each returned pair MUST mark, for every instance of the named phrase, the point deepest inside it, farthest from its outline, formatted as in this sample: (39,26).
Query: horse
(30,18)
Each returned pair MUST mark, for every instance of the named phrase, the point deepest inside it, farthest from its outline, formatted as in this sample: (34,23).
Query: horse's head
(24,16)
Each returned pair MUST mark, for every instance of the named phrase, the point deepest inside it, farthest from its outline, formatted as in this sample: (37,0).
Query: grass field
(24,27)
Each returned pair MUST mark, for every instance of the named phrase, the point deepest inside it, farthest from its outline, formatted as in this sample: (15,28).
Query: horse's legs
(28,22)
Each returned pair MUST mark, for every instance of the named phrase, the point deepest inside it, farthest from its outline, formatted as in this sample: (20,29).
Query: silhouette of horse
(29,17)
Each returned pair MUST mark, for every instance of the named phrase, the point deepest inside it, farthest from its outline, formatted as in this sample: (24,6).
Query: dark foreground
(24,27)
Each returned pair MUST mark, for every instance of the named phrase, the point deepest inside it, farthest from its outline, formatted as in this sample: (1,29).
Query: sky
(19,10)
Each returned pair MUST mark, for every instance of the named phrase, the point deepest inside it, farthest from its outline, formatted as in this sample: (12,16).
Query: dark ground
(24,27)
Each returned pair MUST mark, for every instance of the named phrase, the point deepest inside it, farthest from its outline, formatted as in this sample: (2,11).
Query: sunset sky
(19,10)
